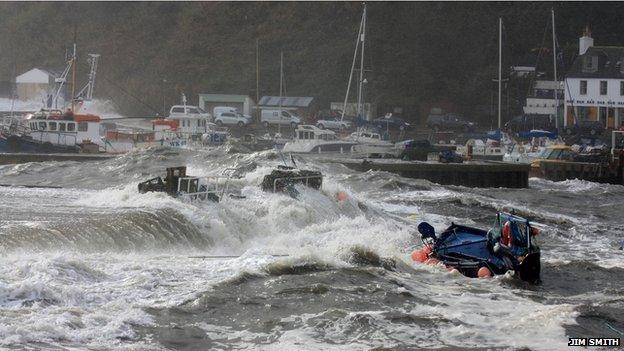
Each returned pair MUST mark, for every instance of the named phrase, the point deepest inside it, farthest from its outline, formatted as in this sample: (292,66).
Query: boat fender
(419,256)
(484,272)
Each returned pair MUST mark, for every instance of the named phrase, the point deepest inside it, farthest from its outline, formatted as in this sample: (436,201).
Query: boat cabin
(68,130)
(309,132)
(190,120)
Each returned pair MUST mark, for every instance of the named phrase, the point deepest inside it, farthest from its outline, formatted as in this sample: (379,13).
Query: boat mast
(500,65)
(279,125)
(357,46)
(362,38)
(552,11)
(73,74)
(257,73)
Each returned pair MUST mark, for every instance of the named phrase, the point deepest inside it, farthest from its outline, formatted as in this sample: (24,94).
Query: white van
(279,117)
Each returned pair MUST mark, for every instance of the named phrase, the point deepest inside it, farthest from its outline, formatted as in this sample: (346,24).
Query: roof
(223,97)
(35,75)
(285,101)
(610,63)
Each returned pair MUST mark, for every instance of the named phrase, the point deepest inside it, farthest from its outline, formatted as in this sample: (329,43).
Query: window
(192,110)
(590,63)
(199,123)
(42,125)
(33,126)
(603,87)
(84,126)
(177,110)
(71,127)
(285,114)
(622,88)
(583,87)
(52,126)
(61,127)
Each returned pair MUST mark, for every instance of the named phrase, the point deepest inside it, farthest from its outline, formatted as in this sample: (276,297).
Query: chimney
(586,41)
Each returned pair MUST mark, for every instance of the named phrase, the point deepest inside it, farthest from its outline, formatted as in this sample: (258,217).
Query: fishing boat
(508,246)
(52,131)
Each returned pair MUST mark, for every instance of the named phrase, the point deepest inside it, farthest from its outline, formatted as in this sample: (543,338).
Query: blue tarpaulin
(538,134)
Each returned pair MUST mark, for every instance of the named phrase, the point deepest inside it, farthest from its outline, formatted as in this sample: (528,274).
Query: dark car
(525,123)
(450,121)
(390,122)
(417,150)
(585,127)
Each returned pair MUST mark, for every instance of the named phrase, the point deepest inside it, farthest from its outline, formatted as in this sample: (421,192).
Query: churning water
(95,265)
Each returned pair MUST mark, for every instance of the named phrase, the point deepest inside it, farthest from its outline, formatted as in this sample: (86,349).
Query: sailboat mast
(257,73)
(357,45)
(279,125)
(552,11)
(500,65)
(362,38)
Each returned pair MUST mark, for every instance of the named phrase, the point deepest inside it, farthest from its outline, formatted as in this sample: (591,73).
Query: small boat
(284,178)
(508,246)
(178,184)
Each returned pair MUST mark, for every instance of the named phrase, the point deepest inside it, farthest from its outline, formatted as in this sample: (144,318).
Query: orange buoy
(452,270)
(432,261)
(484,272)
(419,256)
(341,196)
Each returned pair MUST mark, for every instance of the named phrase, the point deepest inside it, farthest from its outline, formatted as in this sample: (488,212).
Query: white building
(594,87)
(34,84)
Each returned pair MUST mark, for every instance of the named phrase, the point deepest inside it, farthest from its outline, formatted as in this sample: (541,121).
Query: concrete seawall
(483,174)
(16,158)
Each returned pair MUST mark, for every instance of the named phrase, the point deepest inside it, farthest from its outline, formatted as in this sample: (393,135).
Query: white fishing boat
(311,139)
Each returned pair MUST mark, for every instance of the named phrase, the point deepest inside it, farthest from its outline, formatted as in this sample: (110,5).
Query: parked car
(231,118)
(449,121)
(277,116)
(390,122)
(526,123)
(333,123)
(584,127)
(218,109)
(417,150)
(187,111)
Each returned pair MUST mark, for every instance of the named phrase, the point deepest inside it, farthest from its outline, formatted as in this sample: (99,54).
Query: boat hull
(21,144)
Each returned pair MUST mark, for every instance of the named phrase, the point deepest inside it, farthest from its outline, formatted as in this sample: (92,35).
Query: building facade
(594,87)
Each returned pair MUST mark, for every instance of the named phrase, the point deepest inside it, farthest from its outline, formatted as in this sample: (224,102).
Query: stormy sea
(87,262)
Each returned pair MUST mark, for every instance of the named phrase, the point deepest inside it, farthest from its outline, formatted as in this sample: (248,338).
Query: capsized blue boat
(508,245)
